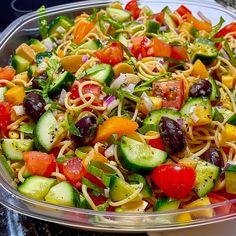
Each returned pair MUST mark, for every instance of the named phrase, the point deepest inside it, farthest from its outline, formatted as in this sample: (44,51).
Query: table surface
(12,223)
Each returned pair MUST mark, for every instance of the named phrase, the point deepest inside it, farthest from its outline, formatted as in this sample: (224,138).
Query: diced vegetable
(2,93)
(81,30)
(26,52)
(230,133)
(19,63)
(7,73)
(199,70)
(115,125)
(228,81)
(230,180)
(36,187)
(15,95)
(166,204)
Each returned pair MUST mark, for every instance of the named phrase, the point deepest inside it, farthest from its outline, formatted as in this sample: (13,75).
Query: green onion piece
(80,154)
(216,28)
(92,186)
(94,171)
(103,166)
(43,24)
(230,53)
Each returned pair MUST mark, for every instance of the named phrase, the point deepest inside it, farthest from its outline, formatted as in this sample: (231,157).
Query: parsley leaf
(72,128)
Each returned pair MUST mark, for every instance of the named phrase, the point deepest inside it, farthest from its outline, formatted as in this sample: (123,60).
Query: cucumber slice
(94,44)
(215,93)
(19,63)
(139,157)
(205,51)
(31,71)
(155,116)
(60,25)
(103,75)
(137,179)
(7,167)
(230,179)
(191,102)
(166,204)
(119,190)
(61,194)
(118,14)
(2,92)
(47,132)
(152,26)
(64,80)
(36,187)
(37,43)
(167,18)
(123,38)
(206,177)
(13,148)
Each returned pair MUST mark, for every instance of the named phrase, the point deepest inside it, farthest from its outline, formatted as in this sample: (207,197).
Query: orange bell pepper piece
(7,73)
(115,125)
(82,28)
(60,53)
(198,24)
(200,70)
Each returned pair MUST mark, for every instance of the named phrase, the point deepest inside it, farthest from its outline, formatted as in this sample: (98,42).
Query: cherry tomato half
(182,10)
(39,163)
(73,170)
(174,180)
(172,93)
(111,54)
(5,116)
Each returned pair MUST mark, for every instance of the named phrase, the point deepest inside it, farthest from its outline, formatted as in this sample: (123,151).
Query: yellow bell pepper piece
(116,5)
(122,68)
(206,213)
(185,27)
(156,102)
(23,76)
(72,63)
(228,81)
(199,70)
(184,218)
(200,116)
(15,95)
(230,133)
(230,180)
(26,52)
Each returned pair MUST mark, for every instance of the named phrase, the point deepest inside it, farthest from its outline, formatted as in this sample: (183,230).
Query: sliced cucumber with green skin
(230,178)
(152,26)
(139,157)
(205,51)
(206,176)
(32,69)
(7,167)
(167,18)
(224,115)
(61,194)
(13,148)
(64,80)
(119,190)
(60,25)
(123,38)
(104,74)
(2,92)
(47,132)
(155,116)
(137,179)
(215,93)
(36,42)
(19,63)
(40,56)
(166,204)
(94,44)
(118,14)
(36,187)
(26,173)
(192,102)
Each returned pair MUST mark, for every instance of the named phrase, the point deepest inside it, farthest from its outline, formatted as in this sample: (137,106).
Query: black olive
(213,156)
(35,81)
(202,88)
(34,105)
(172,135)
(87,127)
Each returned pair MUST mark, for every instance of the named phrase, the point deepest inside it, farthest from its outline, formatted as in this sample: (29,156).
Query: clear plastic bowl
(27,26)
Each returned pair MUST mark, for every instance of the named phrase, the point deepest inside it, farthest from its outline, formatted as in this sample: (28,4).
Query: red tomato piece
(182,10)
(157,143)
(94,180)
(159,17)
(174,180)
(141,47)
(161,49)
(99,200)
(73,170)
(171,92)
(7,73)
(222,210)
(74,92)
(179,53)
(111,54)
(5,116)
(132,7)
(39,163)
